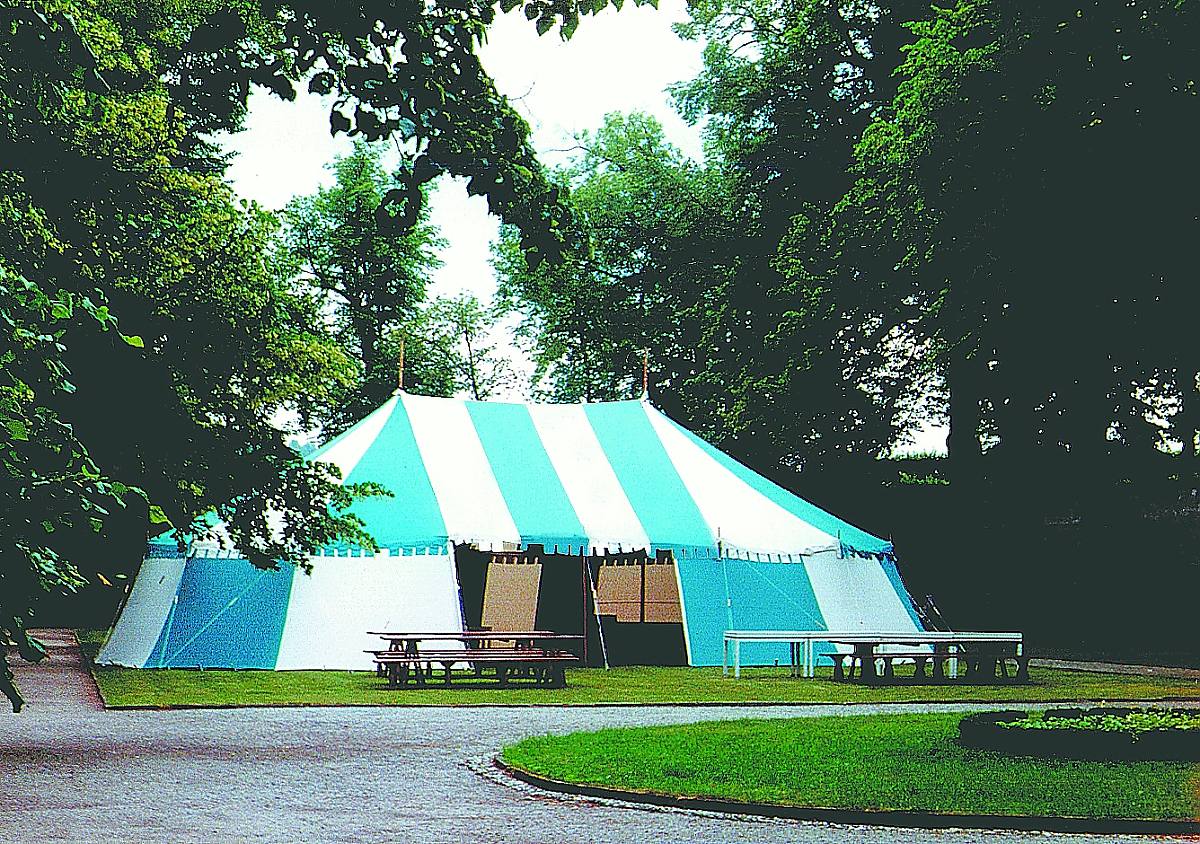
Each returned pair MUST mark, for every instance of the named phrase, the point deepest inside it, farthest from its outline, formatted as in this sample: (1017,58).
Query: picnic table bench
(984,655)
(509,655)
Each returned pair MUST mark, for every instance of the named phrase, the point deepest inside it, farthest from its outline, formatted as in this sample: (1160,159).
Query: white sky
(616,61)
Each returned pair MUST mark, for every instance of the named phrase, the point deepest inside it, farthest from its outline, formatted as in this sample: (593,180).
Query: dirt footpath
(72,772)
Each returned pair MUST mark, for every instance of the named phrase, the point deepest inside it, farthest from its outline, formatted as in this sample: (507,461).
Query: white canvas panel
(332,609)
(587,477)
(459,472)
(745,518)
(150,600)
(856,594)
(346,451)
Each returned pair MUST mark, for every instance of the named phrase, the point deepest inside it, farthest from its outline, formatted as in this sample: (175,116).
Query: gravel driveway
(71,772)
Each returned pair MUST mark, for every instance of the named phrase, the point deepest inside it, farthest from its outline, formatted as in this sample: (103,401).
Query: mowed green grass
(898,762)
(124,687)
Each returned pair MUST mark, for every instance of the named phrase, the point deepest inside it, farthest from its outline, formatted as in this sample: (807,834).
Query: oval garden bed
(1103,733)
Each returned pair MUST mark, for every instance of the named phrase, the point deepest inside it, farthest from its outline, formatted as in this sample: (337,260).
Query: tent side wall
(150,602)
(332,609)
(221,612)
(822,592)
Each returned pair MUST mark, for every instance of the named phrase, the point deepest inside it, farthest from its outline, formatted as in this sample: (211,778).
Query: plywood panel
(619,593)
(510,595)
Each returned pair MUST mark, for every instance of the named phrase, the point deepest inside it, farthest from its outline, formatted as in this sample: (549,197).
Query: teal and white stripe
(222,612)
(610,475)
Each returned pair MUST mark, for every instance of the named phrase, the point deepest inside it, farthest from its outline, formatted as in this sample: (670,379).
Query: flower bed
(1101,733)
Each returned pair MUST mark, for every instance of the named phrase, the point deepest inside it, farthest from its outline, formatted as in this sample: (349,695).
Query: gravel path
(71,772)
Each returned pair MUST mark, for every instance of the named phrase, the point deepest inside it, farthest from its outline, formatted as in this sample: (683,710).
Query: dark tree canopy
(151,330)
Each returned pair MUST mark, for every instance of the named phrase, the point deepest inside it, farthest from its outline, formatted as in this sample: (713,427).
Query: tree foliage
(655,270)
(369,279)
(1036,147)
(111,204)
(821,370)
(461,335)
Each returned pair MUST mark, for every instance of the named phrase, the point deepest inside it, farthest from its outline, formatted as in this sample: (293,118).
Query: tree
(1058,272)
(368,275)
(112,204)
(462,330)
(662,239)
(162,422)
(816,365)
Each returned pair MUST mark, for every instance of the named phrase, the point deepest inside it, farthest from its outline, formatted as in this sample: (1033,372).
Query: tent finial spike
(645,374)
(400,367)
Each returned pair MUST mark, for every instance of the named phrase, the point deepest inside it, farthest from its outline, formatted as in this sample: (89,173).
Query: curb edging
(692,704)
(858,817)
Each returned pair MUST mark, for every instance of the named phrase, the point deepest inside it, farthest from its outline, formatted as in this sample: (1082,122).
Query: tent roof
(616,475)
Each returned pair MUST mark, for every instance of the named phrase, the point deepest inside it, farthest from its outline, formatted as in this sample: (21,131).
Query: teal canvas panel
(705,608)
(772,596)
(227,614)
(325,448)
(411,518)
(669,515)
(798,507)
(530,486)
(893,574)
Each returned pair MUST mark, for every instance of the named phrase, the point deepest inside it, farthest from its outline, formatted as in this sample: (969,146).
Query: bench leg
(888,671)
(1022,669)
(919,671)
(839,673)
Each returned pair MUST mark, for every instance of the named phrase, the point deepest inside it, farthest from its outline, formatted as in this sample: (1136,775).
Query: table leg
(866,658)
(737,659)
(940,652)
(725,658)
(1022,664)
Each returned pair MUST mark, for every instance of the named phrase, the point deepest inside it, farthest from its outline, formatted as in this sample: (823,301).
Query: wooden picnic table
(512,654)
(982,652)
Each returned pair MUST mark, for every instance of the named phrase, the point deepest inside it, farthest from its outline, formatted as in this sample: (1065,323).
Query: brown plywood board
(510,595)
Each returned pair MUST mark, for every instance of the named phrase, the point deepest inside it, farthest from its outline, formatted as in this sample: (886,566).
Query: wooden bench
(544,668)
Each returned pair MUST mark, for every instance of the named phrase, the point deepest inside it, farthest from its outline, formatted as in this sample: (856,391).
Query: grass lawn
(905,762)
(172,687)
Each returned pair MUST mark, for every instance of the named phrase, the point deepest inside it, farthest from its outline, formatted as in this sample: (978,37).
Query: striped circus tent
(574,479)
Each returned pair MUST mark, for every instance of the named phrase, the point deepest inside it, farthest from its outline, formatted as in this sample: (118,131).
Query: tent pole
(583,593)
(595,608)
(643,602)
